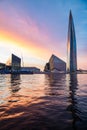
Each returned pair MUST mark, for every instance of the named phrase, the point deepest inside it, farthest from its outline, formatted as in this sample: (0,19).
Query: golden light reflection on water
(11,115)
(42,99)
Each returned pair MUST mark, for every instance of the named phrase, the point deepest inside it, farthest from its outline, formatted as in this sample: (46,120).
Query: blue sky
(47,21)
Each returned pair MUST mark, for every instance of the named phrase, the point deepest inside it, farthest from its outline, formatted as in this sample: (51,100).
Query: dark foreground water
(43,102)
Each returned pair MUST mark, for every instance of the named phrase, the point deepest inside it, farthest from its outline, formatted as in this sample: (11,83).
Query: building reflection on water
(72,81)
(55,82)
(15,82)
(14,88)
(58,83)
(48,102)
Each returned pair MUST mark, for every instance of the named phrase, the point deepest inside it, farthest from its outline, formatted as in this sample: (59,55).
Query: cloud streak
(22,27)
(24,31)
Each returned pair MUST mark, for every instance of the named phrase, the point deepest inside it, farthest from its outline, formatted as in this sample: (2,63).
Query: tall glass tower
(71,46)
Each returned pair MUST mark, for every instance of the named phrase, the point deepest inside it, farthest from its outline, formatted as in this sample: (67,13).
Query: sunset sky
(36,29)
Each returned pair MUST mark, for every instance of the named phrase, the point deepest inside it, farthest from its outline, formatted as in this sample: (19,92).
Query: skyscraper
(71,46)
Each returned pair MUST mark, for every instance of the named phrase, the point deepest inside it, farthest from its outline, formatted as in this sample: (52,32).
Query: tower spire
(70,15)
(71,46)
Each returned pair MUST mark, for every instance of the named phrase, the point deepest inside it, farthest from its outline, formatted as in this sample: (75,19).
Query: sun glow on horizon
(33,55)
(36,31)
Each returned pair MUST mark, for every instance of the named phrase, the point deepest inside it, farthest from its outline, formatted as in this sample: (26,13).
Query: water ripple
(43,102)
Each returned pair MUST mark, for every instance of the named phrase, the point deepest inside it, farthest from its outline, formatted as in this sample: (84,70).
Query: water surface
(43,102)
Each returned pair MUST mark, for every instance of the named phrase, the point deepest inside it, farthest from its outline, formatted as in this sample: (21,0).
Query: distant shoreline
(78,72)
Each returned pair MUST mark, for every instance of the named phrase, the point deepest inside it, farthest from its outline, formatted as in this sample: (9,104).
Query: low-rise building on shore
(55,64)
(30,69)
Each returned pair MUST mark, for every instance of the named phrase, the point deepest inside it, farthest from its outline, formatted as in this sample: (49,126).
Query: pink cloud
(23,26)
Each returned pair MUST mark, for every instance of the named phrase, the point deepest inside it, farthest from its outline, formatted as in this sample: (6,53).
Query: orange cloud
(29,46)
(19,30)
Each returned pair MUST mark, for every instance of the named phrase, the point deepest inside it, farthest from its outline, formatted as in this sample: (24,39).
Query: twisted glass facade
(71,47)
